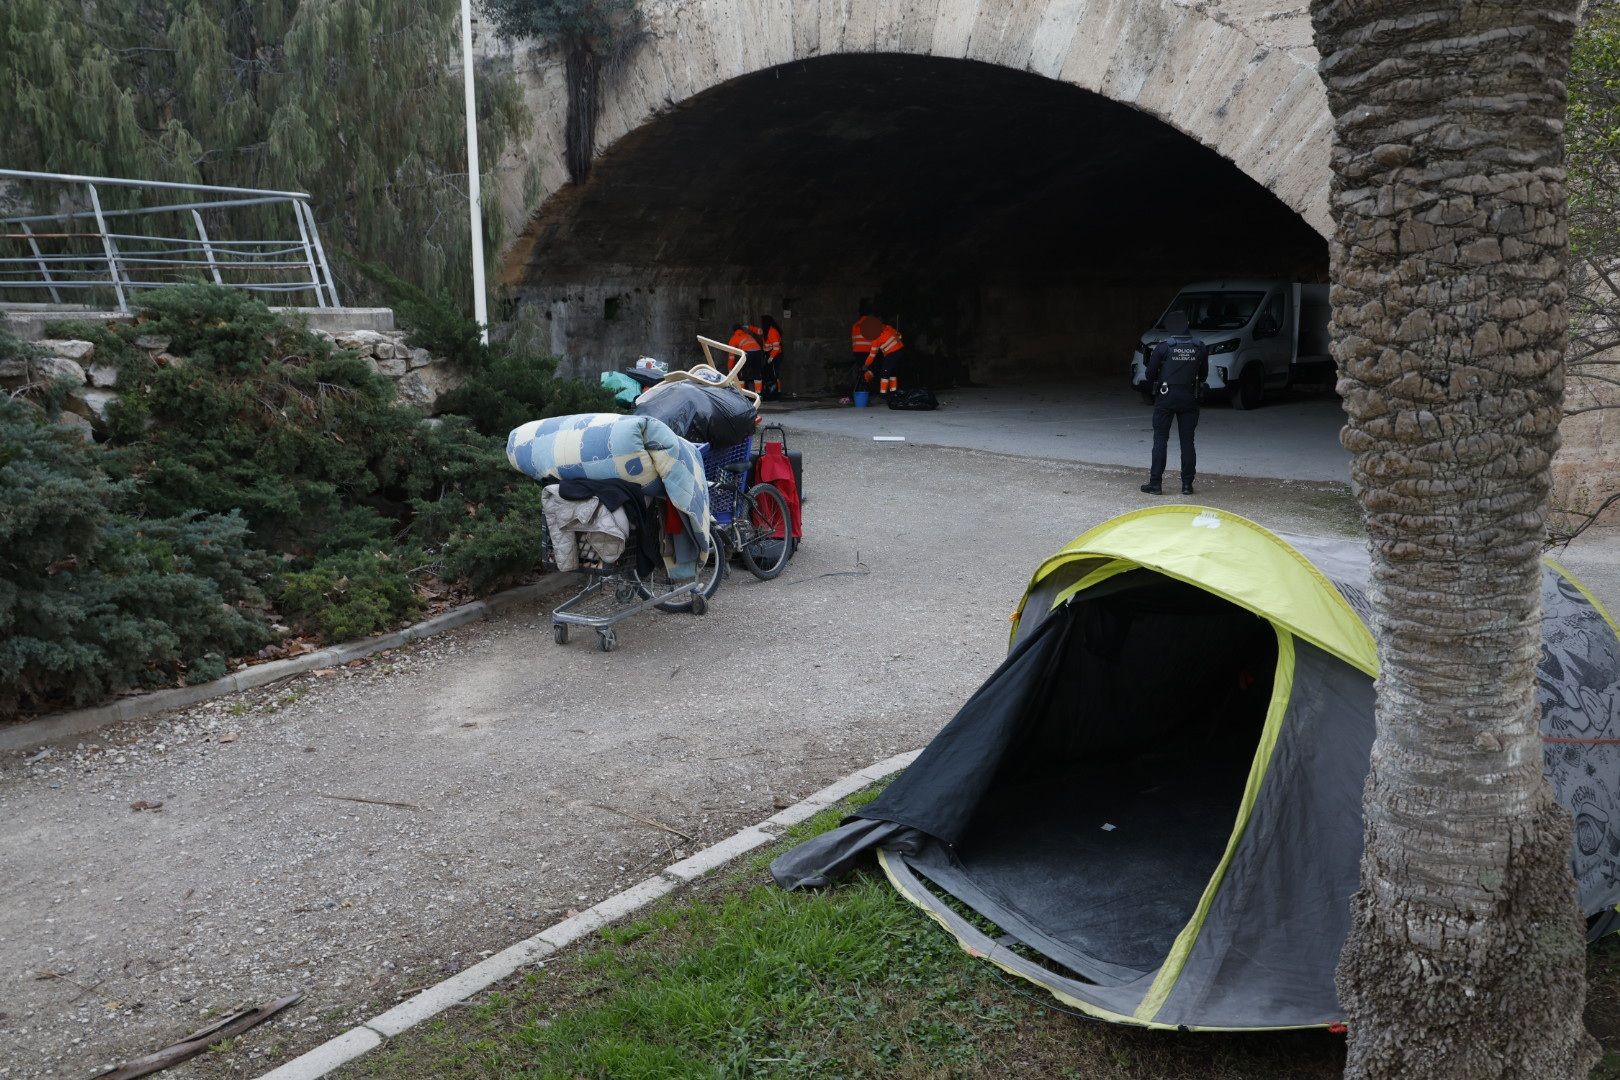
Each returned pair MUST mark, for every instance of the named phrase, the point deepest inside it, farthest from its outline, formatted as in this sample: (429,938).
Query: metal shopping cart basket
(616,590)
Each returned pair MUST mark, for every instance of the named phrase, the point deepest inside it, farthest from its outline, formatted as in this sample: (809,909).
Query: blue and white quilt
(608,446)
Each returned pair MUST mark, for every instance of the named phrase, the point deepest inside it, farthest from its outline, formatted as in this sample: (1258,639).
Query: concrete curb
(366,1036)
(65,725)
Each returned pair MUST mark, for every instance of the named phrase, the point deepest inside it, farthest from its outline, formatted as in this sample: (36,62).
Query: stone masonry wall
(1239,76)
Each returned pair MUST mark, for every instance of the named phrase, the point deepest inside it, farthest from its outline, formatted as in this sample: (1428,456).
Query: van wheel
(1251,389)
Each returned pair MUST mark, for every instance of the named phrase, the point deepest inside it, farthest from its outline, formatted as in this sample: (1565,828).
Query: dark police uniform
(1176,372)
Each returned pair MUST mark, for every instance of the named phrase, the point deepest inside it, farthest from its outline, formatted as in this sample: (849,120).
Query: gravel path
(523,767)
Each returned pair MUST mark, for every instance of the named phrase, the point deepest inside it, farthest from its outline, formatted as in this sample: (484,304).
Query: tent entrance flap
(1114,805)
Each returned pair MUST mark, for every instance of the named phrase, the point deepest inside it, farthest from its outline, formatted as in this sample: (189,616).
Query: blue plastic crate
(721,502)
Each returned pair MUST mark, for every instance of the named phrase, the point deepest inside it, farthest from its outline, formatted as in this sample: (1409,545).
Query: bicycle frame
(743,530)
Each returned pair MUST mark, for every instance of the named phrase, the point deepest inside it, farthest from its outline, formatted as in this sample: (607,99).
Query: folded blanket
(584,521)
(607,446)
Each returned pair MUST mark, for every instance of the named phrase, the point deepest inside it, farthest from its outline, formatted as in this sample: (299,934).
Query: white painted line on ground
(612,909)
(344,1048)
(459,987)
(712,857)
(811,805)
(328,1056)
(889,766)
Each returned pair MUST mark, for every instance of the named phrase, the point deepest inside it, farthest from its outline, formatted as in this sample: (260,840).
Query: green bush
(250,457)
(506,383)
(350,595)
(516,387)
(49,397)
(260,416)
(435,323)
(496,548)
(93,600)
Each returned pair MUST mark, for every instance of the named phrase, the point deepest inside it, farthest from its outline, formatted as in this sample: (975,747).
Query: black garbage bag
(717,415)
(920,399)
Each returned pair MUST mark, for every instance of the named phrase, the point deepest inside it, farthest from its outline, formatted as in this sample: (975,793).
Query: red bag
(775,469)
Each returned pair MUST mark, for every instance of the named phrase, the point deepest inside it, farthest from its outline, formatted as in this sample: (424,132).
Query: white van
(1260,334)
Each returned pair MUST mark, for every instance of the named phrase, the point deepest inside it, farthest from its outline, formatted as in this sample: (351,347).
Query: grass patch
(735,978)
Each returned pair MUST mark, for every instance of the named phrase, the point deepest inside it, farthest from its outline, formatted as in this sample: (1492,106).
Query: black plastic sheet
(717,415)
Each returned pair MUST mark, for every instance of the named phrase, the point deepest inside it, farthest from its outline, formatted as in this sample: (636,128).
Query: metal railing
(51,254)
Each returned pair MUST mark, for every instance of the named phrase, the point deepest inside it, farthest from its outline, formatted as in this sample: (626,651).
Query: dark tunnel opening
(1015,228)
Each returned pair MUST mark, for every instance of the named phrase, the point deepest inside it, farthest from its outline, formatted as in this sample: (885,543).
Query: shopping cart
(616,590)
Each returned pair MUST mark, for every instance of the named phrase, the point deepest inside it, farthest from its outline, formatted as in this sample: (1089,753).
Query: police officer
(1175,373)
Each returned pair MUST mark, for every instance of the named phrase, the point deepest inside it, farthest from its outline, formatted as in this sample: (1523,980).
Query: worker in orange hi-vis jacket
(886,348)
(771,341)
(750,340)
(862,368)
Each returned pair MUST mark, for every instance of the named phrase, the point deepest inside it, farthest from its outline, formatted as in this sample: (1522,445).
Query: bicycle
(709,577)
(761,525)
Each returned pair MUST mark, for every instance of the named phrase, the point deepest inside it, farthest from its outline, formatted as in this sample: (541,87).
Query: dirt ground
(531,775)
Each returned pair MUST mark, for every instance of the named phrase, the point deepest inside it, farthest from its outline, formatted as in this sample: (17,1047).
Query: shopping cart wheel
(700,604)
(559,633)
(607,639)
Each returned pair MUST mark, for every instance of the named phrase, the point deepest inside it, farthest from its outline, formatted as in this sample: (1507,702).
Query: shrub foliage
(505,383)
(94,599)
(251,471)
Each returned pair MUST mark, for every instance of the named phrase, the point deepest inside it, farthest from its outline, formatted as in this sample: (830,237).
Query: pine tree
(358,102)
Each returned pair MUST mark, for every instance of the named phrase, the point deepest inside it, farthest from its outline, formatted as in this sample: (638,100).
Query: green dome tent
(1157,796)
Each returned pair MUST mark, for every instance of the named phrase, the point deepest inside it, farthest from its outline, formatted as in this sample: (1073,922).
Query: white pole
(480,305)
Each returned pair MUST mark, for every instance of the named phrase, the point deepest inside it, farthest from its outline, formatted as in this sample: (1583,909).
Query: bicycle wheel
(710,574)
(770,531)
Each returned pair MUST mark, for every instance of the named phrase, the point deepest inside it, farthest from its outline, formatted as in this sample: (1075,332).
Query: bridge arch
(684,225)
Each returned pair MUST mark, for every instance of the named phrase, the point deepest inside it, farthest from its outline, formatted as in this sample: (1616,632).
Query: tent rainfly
(1157,796)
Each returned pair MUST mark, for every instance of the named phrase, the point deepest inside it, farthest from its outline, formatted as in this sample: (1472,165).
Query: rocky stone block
(361,341)
(420,358)
(91,404)
(151,342)
(425,386)
(20,371)
(102,375)
(78,425)
(67,349)
(392,366)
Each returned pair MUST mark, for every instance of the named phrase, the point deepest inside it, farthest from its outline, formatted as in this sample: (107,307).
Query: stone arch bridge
(1022,183)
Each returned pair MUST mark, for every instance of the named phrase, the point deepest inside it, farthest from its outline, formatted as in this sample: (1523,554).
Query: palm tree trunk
(1465,956)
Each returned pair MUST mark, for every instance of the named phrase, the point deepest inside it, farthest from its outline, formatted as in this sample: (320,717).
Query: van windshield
(1215,310)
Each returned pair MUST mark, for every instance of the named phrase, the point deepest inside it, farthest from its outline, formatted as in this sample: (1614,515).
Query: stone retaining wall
(420,377)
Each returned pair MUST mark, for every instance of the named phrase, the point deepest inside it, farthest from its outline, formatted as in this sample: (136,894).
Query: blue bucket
(861,398)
